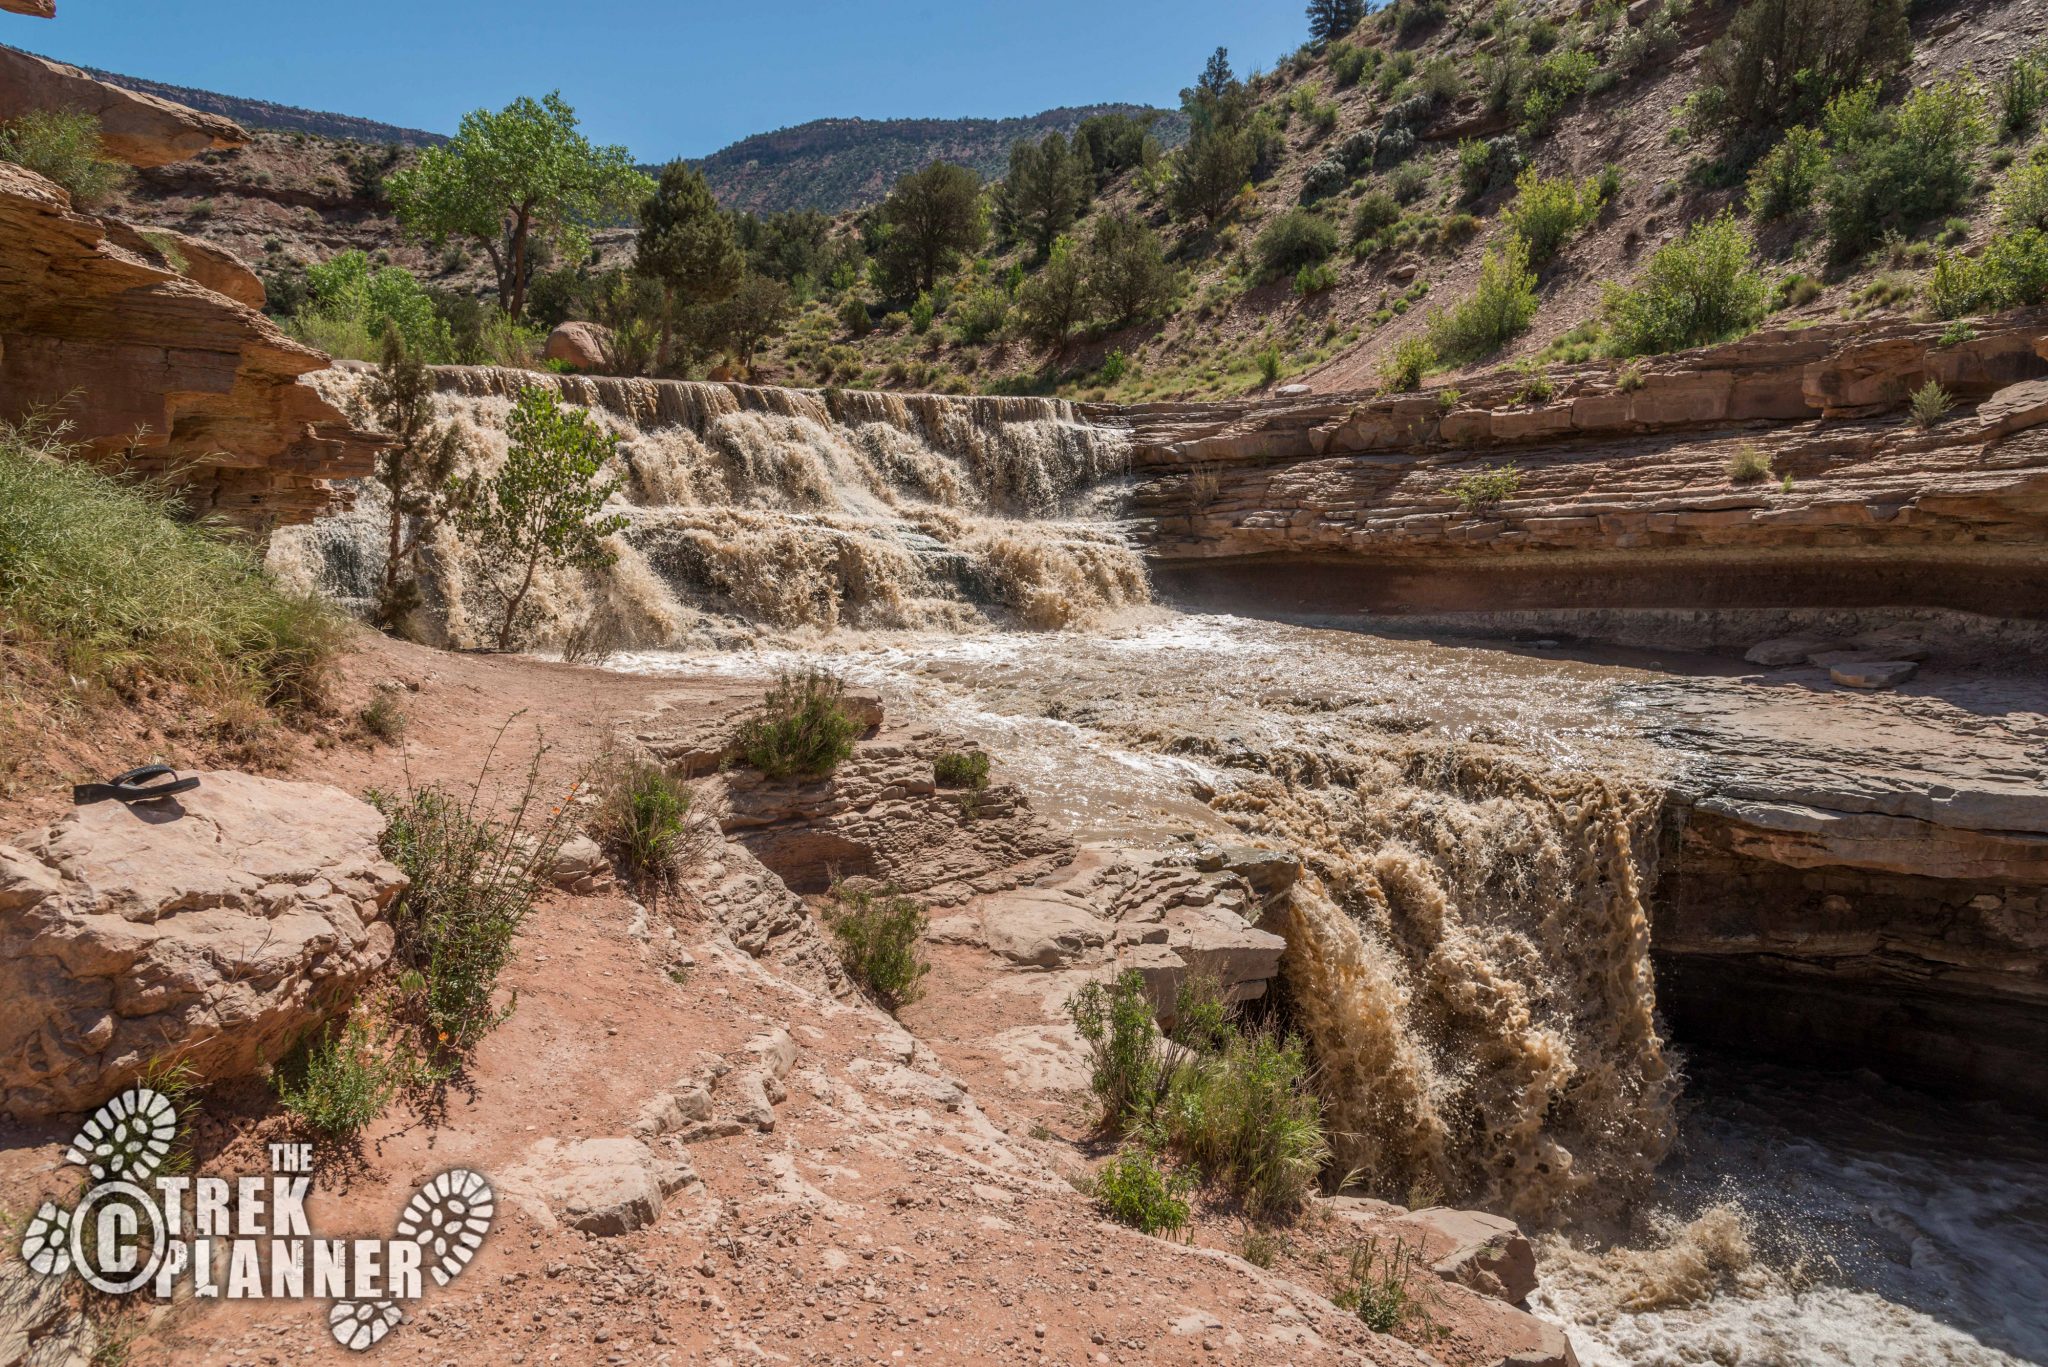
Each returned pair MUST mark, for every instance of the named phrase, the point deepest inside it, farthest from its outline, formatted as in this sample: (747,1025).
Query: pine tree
(1329,20)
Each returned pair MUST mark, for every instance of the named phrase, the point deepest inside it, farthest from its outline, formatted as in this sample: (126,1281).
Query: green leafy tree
(1785,180)
(1898,167)
(377,303)
(1053,302)
(544,506)
(1048,187)
(417,471)
(757,311)
(687,246)
(514,178)
(1128,276)
(1329,20)
(932,217)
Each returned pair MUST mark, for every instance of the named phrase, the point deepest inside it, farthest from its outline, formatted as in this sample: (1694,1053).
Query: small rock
(1874,674)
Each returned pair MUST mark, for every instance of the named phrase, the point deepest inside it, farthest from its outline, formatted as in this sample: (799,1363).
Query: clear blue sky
(670,77)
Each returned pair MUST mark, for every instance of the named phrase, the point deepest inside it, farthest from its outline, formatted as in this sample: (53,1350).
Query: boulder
(211,386)
(1872,674)
(139,129)
(1040,928)
(1781,651)
(1552,1348)
(604,1187)
(580,867)
(1486,1252)
(582,345)
(214,928)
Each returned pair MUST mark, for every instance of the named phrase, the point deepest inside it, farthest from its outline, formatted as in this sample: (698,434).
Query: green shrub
(1955,334)
(471,882)
(2021,93)
(1780,61)
(1549,212)
(337,1081)
(1402,370)
(1898,167)
(881,942)
(961,769)
(642,818)
(63,146)
(1127,1064)
(1785,180)
(350,307)
(1295,239)
(1701,289)
(1409,181)
(804,730)
(1245,1115)
(1748,465)
(1536,386)
(1375,1285)
(1348,62)
(981,313)
(1480,490)
(1498,310)
(1795,291)
(2023,197)
(2011,273)
(1115,366)
(115,581)
(1557,80)
(922,311)
(1269,363)
(1133,1190)
(1930,402)
(1311,280)
(1376,212)
(1486,166)
(382,717)
(853,316)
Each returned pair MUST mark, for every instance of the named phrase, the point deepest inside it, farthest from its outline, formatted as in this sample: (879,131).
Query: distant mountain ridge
(828,164)
(280,117)
(836,164)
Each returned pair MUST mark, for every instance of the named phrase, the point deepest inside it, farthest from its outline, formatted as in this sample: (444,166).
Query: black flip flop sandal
(128,787)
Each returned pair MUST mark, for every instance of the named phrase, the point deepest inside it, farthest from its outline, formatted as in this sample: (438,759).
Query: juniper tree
(1329,20)
(687,246)
(1048,187)
(416,471)
(931,217)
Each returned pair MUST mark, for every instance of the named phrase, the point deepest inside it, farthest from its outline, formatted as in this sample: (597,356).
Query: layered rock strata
(1779,471)
(157,373)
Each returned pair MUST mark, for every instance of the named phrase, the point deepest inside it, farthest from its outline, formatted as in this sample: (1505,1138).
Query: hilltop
(836,164)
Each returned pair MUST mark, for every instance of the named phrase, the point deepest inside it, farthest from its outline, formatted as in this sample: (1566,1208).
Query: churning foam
(786,509)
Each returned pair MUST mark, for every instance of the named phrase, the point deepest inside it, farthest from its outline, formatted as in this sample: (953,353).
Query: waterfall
(781,509)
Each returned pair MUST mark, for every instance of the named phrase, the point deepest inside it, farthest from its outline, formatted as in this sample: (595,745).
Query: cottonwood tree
(544,506)
(1047,188)
(417,471)
(513,178)
(687,246)
(1329,20)
(932,217)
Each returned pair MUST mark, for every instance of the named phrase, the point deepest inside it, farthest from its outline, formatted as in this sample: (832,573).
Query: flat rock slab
(214,928)
(1872,674)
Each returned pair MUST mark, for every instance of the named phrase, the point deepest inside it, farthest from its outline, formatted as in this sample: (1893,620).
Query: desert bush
(1134,1190)
(803,729)
(981,313)
(382,717)
(1486,166)
(351,306)
(1785,179)
(1549,211)
(1127,275)
(114,580)
(1480,490)
(1402,370)
(1245,1115)
(2021,93)
(1439,79)
(881,942)
(1557,80)
(1930,403)
(337,1080)
(63,146)
(1795,291)
(1748,465)
(1499,308)
(1413,16)
(471,882)
(1701,289)
(2011,273)
(1324,179)
(1409,182)
(642,818)
(961,769)
(1898,167)
(1349,61)
(1270,363)
(1295,239)
(1375,1285)
(1376,212)
(1536,385)
(2023,197)
(1127,1062)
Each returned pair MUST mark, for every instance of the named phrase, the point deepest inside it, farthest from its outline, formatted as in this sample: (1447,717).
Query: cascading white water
(782,509)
